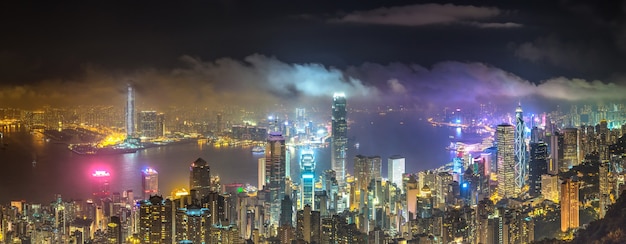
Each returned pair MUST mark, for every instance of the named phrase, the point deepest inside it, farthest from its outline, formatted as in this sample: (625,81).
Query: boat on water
(258,149)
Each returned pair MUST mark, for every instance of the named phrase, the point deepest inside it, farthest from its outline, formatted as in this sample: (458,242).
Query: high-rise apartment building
(200,177)
(149,182)
(275,166)
(308,225)
(395,170)
(339,137)
(192,225)
(156,220)
(505,139)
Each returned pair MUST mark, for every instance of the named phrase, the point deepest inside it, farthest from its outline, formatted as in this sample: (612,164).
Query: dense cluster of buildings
(538,174)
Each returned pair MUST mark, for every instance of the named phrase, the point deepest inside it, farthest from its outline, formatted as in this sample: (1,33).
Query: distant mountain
(610,229)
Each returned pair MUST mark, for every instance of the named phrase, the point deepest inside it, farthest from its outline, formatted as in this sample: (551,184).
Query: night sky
(264,52)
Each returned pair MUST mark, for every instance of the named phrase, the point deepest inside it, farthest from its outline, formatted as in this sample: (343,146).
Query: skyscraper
(149,182)
(569,205)
(101,184)
(156,220)
(395,170)
(307,176)
(505,138)
(339,137)
(200,177)
(130,112)
(571,145)
(521,163)
(366,169)
(275,161)
(261,178)
(148,124)
(538,165)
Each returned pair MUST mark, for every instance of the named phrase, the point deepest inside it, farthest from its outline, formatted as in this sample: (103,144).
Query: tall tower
(505,134)
(149,182)
(569,205)
(200,177)
(395,170)
(571,145)
(521,164)
(537,166)
(339,137)
(275,161)
(130,112)
(307,175)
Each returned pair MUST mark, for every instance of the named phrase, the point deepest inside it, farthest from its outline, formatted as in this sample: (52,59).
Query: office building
(275,166)
(261,177)
(396,170)
(520,150)
(339,137)
(101,184)
(149,182)
(307,178)
(571,145)
(366,169)
(200,178)
(538,166)
(130,112)
(569,205)
(505,139)
(148,124)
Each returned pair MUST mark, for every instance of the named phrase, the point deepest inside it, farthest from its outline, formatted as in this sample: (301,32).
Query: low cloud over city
(263,80)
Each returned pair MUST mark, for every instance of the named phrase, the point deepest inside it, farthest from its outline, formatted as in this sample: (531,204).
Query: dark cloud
(572,54)
(428,14)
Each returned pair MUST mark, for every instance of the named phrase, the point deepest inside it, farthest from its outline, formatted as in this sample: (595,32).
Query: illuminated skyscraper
(307,175)
(395,170)
(275,161)
(149,182)
(200,177)
(192,225)
(101,184)
(521,164)
(339,137)
(130,112)
(569,205)
(155,220)
(505,138)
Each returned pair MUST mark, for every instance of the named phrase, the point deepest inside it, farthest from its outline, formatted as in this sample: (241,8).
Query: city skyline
(312,122)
